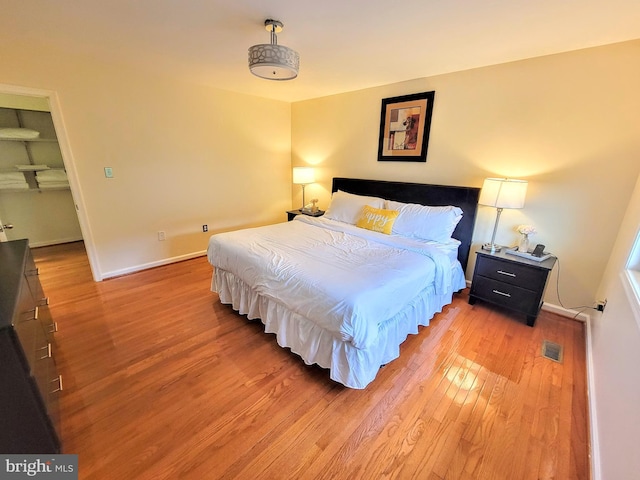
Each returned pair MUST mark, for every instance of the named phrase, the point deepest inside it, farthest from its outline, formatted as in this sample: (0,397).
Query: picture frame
(405,123)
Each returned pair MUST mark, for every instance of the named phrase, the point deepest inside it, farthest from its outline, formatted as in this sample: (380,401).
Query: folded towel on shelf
(14,186)
(18,133)
(11,182)
(12,176)
(52,175)
(52,179)
(46,185)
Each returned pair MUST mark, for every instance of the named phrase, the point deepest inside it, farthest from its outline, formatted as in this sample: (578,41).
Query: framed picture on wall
(404,128)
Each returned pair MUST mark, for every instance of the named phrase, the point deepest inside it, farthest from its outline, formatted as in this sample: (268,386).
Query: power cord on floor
(580,308)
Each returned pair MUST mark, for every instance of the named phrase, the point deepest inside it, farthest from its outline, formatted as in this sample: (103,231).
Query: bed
(344,290)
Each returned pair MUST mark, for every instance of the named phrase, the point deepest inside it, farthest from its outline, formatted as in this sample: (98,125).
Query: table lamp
(501,193)
(303,176)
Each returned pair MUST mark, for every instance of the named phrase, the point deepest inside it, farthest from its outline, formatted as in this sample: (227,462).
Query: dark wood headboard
(436,195)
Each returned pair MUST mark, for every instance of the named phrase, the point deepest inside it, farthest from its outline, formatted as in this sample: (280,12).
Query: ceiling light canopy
(273,61)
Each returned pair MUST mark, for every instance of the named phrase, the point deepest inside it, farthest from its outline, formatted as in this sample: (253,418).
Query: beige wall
(566,122)
(182,155)
(24,102)
(45,218)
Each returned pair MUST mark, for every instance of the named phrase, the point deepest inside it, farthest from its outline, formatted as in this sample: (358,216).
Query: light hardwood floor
(163,382)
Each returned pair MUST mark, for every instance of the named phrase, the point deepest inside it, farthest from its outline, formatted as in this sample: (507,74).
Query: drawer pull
(498,292)
(53,327)
(44,301)
(35,315)
(59,380)
(48,349)
(508,274)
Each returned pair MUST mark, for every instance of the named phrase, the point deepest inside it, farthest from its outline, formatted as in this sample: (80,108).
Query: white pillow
(346,207)
(428,223)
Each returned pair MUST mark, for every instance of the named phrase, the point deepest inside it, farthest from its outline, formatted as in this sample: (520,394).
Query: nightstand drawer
(511,273)
(510,296)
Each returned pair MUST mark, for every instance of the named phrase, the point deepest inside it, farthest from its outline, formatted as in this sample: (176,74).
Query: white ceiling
(343,45)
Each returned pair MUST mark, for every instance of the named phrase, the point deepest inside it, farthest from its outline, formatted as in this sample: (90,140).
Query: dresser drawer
(25,322)
(511,273)
(510,296)
(28,377)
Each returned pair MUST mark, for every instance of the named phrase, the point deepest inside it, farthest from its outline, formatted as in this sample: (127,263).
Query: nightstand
(511,281)
(293,213)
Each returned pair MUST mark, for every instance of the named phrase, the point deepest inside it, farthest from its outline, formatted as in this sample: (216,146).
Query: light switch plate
(108,172)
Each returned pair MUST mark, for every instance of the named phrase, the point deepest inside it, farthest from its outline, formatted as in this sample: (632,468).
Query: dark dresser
(29,382)
(511,281)
(292,213)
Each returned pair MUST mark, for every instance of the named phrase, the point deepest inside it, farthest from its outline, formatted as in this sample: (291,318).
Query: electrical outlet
(601,304)
(161,236)
(205,228)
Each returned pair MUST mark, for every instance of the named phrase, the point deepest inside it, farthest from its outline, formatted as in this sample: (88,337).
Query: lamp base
(491,247)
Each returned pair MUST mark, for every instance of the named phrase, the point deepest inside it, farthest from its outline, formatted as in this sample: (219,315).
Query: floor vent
(552,351)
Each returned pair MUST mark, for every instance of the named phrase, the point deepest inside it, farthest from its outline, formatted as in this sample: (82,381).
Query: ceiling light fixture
(273,61)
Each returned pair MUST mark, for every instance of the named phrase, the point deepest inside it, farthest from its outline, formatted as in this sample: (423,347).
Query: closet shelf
(29,140)
(27,170)
(29,190)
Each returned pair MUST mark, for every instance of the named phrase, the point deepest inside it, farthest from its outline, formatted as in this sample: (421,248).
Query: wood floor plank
(162,381)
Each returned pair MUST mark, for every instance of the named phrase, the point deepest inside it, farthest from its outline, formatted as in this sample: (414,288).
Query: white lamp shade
(503,193)
(273,62)
(303,175)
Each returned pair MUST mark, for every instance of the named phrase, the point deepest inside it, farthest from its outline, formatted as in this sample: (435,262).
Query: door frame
(69,165)
(3,235)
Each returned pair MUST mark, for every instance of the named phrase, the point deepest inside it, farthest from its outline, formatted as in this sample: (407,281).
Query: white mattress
(339,296)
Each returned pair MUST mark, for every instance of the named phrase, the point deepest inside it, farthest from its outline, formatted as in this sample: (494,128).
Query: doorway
(42,198)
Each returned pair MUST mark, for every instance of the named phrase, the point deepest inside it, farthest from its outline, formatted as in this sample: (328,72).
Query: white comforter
(345,279)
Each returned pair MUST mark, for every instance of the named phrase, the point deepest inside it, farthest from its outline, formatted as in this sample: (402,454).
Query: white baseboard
(58,241)
(145,266)
(565,312)
(594,444)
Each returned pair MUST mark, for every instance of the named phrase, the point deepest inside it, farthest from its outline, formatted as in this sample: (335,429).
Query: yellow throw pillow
(377,219)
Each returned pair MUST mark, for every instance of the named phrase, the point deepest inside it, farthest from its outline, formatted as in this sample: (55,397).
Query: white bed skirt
(353,367)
